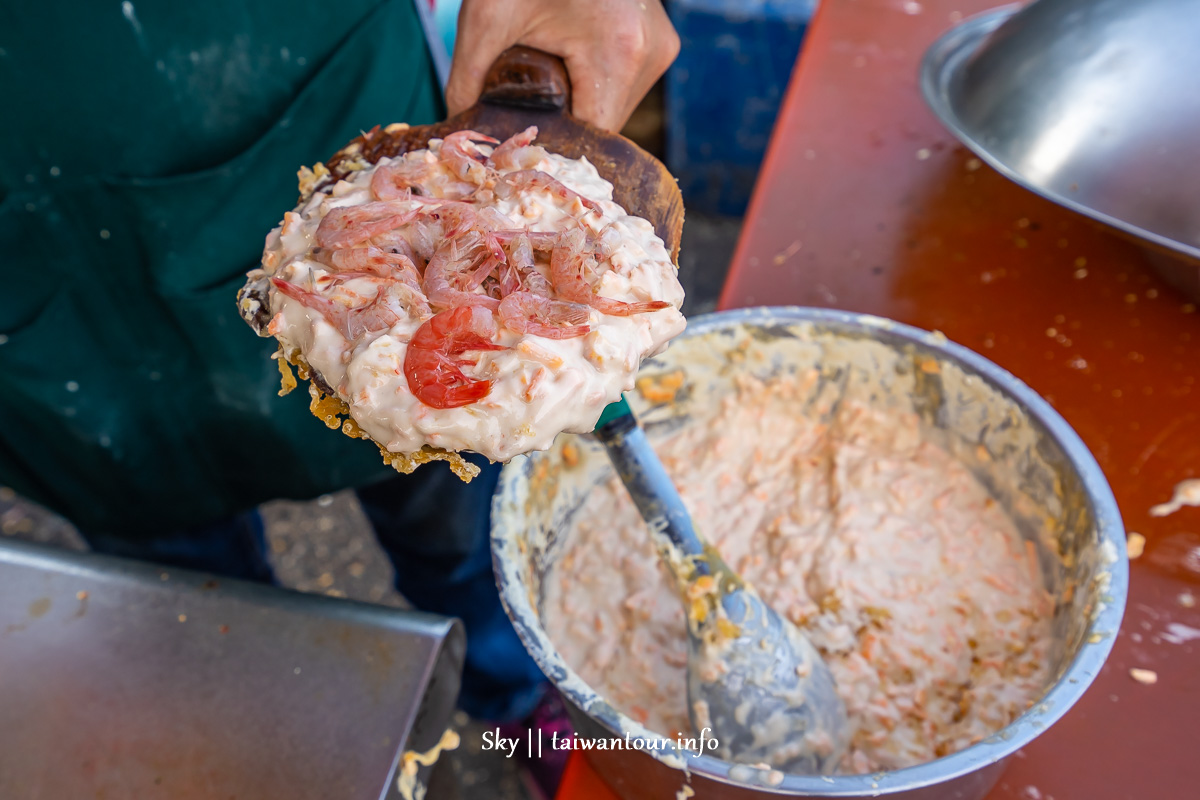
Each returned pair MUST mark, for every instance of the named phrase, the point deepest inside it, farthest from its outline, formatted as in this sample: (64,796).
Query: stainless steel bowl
(1030,459)
(1094,104)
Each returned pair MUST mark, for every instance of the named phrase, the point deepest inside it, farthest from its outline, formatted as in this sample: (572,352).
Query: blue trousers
(434,528)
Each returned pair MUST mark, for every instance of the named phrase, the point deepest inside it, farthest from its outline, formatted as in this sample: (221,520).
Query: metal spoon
(754,680)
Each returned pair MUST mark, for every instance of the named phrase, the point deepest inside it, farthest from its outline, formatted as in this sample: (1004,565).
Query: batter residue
(923,598)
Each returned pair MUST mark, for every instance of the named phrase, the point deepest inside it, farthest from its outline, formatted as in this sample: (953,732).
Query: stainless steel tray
(125,680)
(1094,104)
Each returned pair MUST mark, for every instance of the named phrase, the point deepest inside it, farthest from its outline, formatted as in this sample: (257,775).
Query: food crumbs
(1135,544)
(408,785)
(183,617)
(1187,493)
(1144,676)
(287,380)
(81,595)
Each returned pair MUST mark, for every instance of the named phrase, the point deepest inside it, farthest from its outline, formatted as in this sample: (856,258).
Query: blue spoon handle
(652,490)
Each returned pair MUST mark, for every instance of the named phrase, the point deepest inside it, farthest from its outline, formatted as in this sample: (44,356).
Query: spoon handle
(650,486)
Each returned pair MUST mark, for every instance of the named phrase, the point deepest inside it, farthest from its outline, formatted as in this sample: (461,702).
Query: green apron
(146,149)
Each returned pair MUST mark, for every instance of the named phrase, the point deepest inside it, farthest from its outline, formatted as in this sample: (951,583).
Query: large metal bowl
(1030,459)
(1094,104)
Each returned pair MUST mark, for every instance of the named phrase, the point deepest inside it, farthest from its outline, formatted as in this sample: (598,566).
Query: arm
(614,49)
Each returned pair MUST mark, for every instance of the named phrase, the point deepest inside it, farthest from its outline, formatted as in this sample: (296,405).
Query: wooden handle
(523,77)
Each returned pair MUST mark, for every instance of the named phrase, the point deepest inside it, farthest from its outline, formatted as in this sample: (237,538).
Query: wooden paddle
(529,87)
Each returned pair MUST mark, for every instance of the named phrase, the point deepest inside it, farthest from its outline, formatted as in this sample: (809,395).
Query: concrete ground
(326,545)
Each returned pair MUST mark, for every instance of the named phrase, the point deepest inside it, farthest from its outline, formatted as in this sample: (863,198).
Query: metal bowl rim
(1063,694)
(950,50)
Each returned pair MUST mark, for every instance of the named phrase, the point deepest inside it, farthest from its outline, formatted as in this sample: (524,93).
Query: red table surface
(866,202)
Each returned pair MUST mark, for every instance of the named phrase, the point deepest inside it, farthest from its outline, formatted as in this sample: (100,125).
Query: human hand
(614,50)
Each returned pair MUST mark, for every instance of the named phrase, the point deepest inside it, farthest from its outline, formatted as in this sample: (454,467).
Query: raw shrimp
(361,262)
(464,161)
(397,241)
(379,314)
(518,273)
(447,283)
(511,183)
(609,241)
(432,365)
(351,225)
(418,179)
(574,271)
(396,180)
(525,312)
(429,227)
(494,258)
(413,299)
(370,259)
(516,151)
(452,217)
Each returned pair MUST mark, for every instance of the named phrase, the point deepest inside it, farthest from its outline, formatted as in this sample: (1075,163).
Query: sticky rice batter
(539,386)
(924,600)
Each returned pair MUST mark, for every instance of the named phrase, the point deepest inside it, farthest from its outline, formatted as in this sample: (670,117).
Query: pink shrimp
(397,242)
(368,259)
(519,273)
(453,217)
(440,189)
(428,228)
(379,314)
(350,225)
(516,153)
(412,299)
(494,257)
(574,271)
(396,179)
(361,262)
(512,182)
(609,241)
(450,277)
(432,364)
(464,161)
(525,312)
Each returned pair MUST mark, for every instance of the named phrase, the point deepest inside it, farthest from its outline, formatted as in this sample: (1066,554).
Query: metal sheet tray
(125,680)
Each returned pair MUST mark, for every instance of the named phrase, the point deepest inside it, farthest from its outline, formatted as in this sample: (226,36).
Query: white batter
(918,590)
(540,386)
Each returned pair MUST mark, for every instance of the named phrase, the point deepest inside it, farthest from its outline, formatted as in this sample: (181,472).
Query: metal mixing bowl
(1094,104)
(1017,445)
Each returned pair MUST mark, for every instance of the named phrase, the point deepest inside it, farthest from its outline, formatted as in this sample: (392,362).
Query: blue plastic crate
(724,92)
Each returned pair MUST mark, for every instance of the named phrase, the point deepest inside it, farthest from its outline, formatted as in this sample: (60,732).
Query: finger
(617,76)
(644,83)
(480,40)
(602,79)
(661,56)
(597,95)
